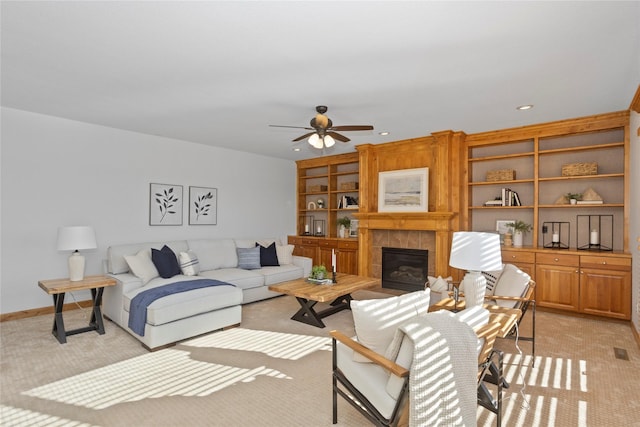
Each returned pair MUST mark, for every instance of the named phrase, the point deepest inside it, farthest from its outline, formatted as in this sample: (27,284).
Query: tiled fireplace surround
(406,239)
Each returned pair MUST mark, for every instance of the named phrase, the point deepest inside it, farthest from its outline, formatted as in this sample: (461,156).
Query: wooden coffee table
(309,294)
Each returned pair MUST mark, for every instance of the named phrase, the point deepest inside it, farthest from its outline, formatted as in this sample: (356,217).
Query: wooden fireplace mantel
(423,221)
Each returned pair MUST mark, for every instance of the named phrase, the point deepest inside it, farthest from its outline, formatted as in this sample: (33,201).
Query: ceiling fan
(323,132)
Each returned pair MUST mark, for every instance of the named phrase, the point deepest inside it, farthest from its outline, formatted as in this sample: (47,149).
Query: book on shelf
(496,202)
(590,202)
(347,202)
(508,198)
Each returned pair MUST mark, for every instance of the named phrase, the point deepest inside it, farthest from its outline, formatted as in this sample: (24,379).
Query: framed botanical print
(165,204)
(203,206)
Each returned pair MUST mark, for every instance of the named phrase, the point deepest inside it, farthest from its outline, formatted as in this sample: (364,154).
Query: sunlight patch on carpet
(11,416)
(164,373)
(274,344)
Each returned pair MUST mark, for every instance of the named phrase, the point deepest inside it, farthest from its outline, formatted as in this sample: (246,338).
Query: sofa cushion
(376,320)
(243,279)
(268,255)
(282,273)
(189,263)
(185,304)
(165,261)
(142,266)
(116,263)
(214,253)
(248,258)
(285,254)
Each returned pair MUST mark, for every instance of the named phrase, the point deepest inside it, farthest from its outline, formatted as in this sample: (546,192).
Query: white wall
(58,172)
(634,221)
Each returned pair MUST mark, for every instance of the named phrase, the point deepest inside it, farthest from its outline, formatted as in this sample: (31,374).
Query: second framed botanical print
(203,206)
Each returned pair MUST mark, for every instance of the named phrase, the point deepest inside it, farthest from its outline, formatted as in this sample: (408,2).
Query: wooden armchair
(365,385)
(522,303)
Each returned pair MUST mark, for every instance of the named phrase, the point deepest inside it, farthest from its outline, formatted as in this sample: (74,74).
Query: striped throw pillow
(189,263)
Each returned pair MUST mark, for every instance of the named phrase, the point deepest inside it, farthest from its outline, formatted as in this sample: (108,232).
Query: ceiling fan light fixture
(329,141)
(315,141)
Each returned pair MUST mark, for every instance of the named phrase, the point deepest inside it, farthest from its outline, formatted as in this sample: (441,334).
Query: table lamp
(475,252)
(74,239)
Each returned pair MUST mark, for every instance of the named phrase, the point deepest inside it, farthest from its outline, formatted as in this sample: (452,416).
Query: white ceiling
(219,73)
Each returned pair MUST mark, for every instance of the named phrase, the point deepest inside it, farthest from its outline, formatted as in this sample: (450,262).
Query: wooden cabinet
(557,281)
(321,250)
(591,284)
(605,286)
(327,189)
(539,157)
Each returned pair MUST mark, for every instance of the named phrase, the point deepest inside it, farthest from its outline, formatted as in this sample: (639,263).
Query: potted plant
(573,197)
(520,228)
(318,272)
(345,224)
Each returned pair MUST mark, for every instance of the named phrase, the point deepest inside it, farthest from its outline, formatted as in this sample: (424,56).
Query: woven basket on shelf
(316,188)
(501,175)
(577,169)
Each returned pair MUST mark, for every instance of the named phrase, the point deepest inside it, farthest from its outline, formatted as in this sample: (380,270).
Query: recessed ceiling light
(296,148)
(525,107)
(385,133)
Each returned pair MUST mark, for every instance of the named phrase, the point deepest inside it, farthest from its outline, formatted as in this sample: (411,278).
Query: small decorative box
(577,169)
(501,175)
(349,185)
(316,188)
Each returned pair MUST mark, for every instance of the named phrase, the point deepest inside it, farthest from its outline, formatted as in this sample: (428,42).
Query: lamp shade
(328,141)
(76,238)
(475,251)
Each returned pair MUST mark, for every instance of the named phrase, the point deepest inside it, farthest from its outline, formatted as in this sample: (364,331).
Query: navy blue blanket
(139,303)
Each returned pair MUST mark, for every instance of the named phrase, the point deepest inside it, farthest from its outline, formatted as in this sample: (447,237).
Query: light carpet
(274,371)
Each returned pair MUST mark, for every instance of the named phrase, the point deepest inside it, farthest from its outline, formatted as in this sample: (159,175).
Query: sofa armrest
(305,262)
(113,296)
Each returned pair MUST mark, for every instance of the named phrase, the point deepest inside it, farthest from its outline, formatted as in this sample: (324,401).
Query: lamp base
(76,267)
(474,285)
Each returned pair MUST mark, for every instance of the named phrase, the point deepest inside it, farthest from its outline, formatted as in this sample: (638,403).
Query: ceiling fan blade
(339,137)
(293,127)
(352,127)
(306,135)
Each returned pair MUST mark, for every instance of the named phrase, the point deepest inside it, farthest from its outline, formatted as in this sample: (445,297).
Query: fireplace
(404,269)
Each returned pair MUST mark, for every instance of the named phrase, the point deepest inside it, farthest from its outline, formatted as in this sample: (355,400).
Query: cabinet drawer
(558,259)
(608,263)
(515,257)
(327,243)
(295,240)
(348,244)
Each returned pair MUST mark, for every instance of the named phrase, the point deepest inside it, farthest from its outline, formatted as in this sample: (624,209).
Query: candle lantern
(306,225)
(556,235)
(595,232)
(318,227)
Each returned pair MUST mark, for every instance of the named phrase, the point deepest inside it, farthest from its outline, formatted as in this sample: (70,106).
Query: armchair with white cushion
(387,384)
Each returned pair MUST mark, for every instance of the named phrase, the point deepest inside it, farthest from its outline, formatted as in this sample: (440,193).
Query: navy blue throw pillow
(165,261)
(268,255)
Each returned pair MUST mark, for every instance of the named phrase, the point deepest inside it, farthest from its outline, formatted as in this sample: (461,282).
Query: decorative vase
(517,238)
(342,231)
(573,201)
(507,239)
(320,275)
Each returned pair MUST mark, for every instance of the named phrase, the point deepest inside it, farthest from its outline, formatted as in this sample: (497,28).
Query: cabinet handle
(578,272)
(556,259)
(513,256)
(604,262)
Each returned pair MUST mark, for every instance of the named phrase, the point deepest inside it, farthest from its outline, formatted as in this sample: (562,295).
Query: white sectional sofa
(186,314)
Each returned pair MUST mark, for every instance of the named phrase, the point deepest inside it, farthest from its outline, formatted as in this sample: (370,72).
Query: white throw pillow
(189,263)
(512,283)
(142,266)
(376,320)
(285,254)
(492,278)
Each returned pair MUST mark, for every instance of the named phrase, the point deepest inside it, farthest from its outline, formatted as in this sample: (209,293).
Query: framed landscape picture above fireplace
(405,190)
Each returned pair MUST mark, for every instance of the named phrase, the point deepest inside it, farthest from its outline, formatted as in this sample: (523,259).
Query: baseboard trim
(33,312)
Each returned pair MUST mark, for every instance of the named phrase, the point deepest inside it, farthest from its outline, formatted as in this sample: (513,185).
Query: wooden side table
(58,287)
